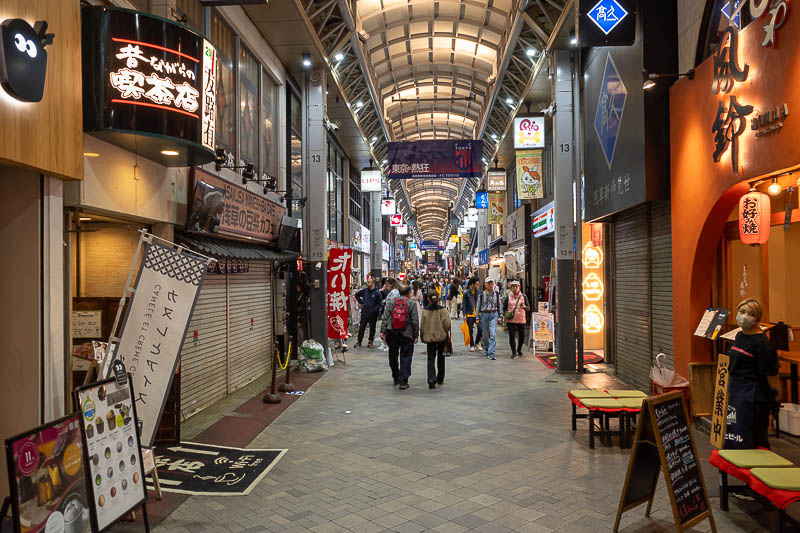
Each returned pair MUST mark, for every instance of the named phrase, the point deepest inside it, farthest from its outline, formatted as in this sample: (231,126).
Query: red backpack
(400,314)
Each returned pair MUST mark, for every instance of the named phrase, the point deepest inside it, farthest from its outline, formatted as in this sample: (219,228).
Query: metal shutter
(250,324)
(204,363)
(661,283)
(632,296)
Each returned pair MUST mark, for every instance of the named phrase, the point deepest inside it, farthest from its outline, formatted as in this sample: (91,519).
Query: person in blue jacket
(371,301)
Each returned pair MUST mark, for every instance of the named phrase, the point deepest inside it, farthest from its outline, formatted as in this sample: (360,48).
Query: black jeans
(515,330)
(436,354)
(474,340)
(400,347)
(363,326)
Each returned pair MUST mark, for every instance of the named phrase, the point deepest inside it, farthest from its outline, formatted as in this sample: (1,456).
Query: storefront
(626,185)
(359,241)
(731,132)
(543,225)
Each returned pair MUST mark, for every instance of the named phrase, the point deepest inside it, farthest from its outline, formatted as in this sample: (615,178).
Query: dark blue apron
(740,429)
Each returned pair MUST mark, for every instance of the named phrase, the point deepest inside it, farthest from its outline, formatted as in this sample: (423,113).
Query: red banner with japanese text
(339,263)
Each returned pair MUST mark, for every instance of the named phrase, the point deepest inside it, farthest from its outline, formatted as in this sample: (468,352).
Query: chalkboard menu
(665,442)
(688,489)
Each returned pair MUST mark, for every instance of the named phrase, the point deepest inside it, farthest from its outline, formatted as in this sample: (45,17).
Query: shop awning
(500,241)
(225,249)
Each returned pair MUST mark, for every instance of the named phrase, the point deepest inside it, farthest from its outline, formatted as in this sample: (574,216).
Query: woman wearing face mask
(750,396)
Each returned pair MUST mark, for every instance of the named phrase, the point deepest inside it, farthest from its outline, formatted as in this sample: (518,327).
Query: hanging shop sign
(429,245)
(115,466)
(412,246)
(529,174)
(23,58)
(544,220)
(385,251)
(388,206)
(529,132)
(370,181)
(481,200)
(463,231)
(402,229)
(606,23)
(497,208)
(755,213)
(365,244)
(496,180)
(395,220)
(593,319)
(592,287)
(483,257)
(166,290)
(515,227)
(453,239)
(150,86)
(339,265)
(592,256)
(240,212)
(47,478)
(435,159)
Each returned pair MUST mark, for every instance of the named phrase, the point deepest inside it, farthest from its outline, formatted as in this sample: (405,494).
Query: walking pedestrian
(434,332)
(487,315)
(416,296)
(371,300)
(453,293)
(470,306)
(515,307)
(400,330)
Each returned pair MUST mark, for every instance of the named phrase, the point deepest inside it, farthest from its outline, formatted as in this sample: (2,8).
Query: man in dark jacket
(400,340)
(469,308)
(371,300)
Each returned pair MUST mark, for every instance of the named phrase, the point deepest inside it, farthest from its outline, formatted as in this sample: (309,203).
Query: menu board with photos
(116,475)
(47,478)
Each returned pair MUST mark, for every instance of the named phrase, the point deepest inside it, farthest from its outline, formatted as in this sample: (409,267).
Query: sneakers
(370,345)
(492,357)
(357,345)
(471,348)
(514,356)
(403,386)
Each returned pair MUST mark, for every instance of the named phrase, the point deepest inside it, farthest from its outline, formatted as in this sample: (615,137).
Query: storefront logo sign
(23,59)
(592,288)
(496,180)
(592,256)
(610,106)
(529,132)
(593,319)
(209,95)
(482,200)
(728,125)
(388,207)
(607,14)
(396,220)
(770,121)
(726,63)
(544,221)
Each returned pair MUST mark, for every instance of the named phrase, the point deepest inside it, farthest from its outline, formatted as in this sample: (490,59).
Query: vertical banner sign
(720,411)
(155,327)
(529,174)
(496,180)
(209,95)
(496,209)
(339,264)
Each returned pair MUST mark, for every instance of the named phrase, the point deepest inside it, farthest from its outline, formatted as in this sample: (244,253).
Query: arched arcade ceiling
(433,61)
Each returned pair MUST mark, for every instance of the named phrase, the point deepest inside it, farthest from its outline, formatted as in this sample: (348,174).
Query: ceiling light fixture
(170,152)
(306,60)
(530,52)
(91,154)
(85,219)
(359,104)
(339,56)
(509,101)
(649,79)
(774,188)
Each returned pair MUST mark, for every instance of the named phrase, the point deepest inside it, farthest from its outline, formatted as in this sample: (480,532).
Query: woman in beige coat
(434,331)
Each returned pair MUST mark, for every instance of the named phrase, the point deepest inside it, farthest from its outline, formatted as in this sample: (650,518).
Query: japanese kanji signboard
(145,77)
(719,411)
(205,469)
(244,212)
(435,159)
(155,327)
(339,263)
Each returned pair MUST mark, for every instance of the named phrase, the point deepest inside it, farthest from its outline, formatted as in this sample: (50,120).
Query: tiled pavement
(490,450)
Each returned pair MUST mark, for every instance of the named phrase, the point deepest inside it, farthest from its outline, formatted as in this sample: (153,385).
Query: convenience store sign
(544,221)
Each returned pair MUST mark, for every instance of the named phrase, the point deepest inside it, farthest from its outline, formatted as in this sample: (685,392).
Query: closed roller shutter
(661,261)
(632,296)
(204,363)
(250,324)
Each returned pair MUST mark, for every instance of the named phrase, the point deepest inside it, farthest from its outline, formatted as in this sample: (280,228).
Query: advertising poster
(543,327)
(435,159)
(155,326)
(497,213)
(47,478)
(529,174)
(339,265)
(116,476)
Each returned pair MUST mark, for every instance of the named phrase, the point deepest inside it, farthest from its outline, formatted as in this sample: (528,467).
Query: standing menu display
(116,476)
(48,479)
(664,442)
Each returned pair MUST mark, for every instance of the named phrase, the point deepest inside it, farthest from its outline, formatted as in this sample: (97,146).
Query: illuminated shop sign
(592,288)
(592,256)
(529,132)
(593,320)
(396,220)
(23,59)
(496,180)
(388,207)
(606,22)
(755,214)
(150,86)
(544,220)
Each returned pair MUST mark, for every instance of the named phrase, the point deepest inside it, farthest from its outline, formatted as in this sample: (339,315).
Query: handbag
(510,314)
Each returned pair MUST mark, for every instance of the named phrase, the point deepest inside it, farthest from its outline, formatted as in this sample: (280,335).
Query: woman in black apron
(750,396)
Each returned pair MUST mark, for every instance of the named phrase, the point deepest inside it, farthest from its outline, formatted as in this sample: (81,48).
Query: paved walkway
(490,450)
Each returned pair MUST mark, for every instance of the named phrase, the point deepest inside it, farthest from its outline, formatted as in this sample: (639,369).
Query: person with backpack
(487,311)
(515,308)
(371,301)
(400,330)
(435,331)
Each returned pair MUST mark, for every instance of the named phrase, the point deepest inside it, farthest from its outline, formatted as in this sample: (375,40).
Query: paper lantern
(754,218)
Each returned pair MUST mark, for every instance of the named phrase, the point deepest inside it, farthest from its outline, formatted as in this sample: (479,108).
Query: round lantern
(755,212)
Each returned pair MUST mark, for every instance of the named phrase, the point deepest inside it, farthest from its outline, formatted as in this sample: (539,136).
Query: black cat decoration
(23,59)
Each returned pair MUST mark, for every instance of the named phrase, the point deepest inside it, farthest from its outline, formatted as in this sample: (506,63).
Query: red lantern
(754,218)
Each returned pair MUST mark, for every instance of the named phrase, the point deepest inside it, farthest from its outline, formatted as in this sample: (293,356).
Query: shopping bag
(465,331)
